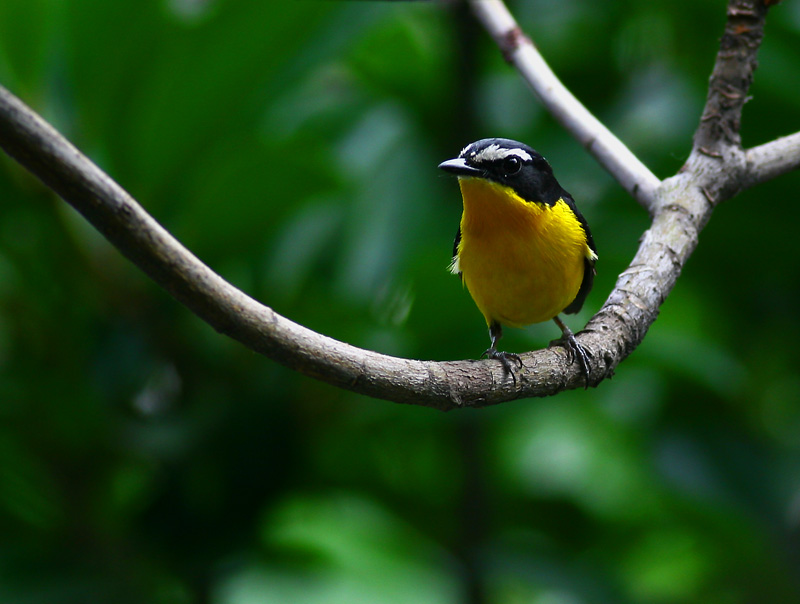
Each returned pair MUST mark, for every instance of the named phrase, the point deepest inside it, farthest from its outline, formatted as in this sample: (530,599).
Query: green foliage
(293,147)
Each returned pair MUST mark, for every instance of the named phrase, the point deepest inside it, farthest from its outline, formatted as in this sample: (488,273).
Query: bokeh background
(293,147)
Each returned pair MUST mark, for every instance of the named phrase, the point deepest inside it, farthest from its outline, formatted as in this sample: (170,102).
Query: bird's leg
(505,358)
(574,349)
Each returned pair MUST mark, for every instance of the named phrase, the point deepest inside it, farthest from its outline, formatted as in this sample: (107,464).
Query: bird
(523,250)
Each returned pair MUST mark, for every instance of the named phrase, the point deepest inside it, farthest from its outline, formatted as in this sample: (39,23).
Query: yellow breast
(522,262)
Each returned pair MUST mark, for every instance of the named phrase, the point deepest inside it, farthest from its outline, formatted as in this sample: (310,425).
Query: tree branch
(717,157)
(772,159)
(607,149)
(731,77)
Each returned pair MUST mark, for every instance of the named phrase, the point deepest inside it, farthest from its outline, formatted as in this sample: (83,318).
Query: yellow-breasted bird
(523,250)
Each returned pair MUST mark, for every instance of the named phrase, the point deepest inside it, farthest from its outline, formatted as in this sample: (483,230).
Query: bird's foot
(575,352)
(511,362)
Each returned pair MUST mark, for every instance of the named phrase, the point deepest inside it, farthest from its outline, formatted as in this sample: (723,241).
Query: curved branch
(444,385)
(612,154)
(610,337)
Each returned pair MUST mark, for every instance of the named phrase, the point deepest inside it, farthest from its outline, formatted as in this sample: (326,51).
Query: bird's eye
(511,165)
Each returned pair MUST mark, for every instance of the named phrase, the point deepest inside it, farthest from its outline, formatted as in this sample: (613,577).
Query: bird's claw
(575,352)
(506,359)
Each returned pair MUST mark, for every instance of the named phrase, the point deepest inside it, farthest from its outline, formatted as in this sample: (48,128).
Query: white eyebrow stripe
(494,153)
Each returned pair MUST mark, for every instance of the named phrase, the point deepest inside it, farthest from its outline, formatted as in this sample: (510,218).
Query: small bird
(523,250)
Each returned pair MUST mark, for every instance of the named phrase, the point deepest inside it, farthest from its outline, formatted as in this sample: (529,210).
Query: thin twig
(772,159)
(612,154)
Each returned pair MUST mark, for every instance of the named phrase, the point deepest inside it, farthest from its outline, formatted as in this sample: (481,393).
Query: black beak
(459,167)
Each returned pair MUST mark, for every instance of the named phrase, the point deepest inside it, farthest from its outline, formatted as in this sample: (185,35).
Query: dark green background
(293,147)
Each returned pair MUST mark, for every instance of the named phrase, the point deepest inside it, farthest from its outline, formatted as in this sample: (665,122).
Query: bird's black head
(508,163)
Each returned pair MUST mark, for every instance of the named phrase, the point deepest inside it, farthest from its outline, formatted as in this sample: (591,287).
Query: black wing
(455,246)
(588,265)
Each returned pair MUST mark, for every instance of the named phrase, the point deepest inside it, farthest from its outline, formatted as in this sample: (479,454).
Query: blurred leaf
(359,553)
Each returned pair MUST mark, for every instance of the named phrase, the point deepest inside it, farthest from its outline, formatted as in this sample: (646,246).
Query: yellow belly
(522,262)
